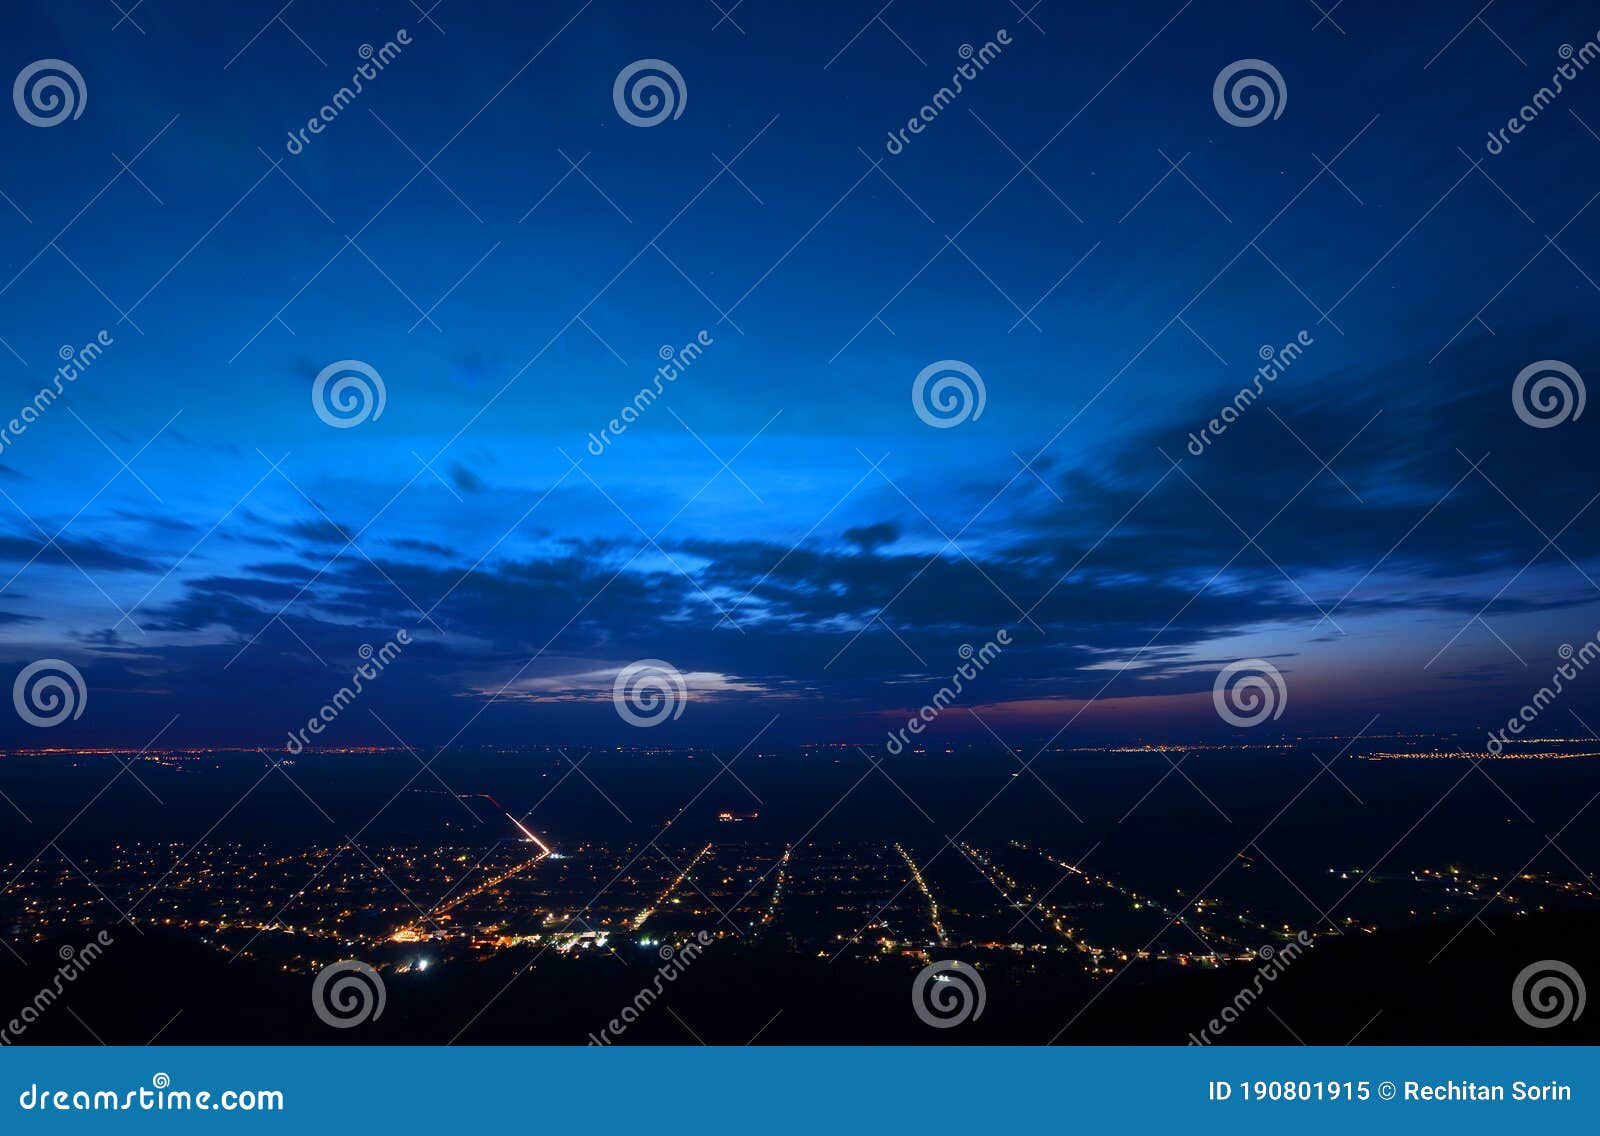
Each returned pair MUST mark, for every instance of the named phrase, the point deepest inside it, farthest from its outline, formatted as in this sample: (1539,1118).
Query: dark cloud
(430,547)
(465,480)
(82,552)
(1122,561)
(869,538)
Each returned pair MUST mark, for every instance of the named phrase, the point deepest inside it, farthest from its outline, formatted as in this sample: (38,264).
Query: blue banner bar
(801,1090)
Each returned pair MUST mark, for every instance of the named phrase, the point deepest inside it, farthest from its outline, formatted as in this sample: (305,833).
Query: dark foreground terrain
(1385,989)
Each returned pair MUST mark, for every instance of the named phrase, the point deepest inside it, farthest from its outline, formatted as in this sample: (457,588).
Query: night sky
(1079,225)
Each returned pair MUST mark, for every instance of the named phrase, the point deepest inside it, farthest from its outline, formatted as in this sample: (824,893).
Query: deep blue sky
(766,587)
